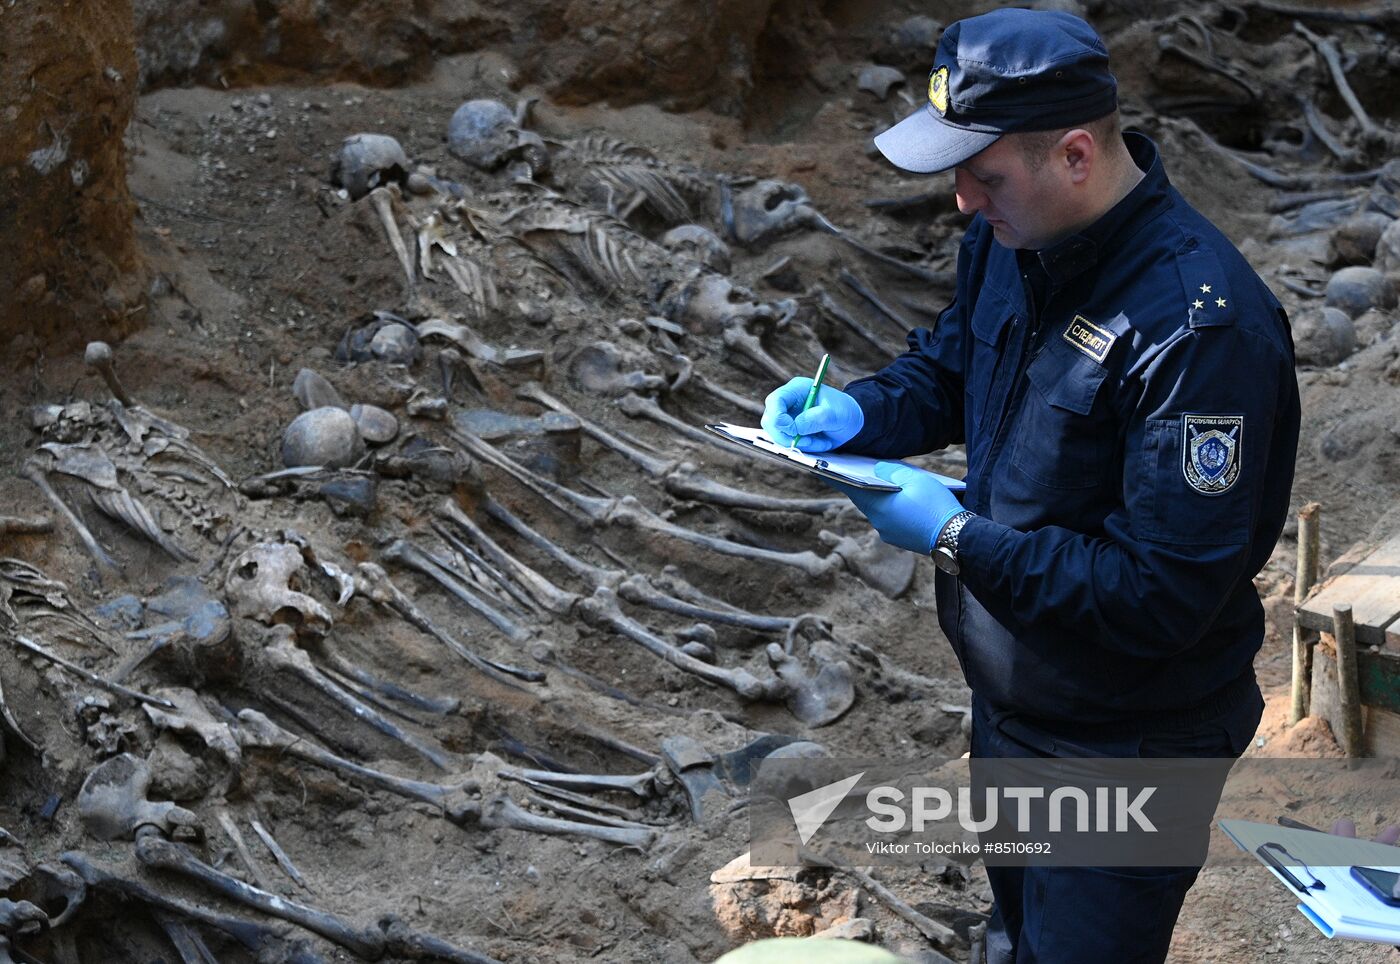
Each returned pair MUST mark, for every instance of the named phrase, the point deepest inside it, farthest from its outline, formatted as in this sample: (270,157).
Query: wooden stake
(1345,632)
(1306,577)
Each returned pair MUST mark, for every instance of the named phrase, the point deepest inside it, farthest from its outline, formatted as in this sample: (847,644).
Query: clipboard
(857,471)
(1340,907)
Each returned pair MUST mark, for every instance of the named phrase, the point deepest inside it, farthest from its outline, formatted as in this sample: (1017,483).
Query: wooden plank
(1371,588)
(1382,732)
(1379,678)
(1380,693)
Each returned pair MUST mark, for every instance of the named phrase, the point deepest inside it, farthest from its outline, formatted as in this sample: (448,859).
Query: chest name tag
(1210,451)
(1089,338)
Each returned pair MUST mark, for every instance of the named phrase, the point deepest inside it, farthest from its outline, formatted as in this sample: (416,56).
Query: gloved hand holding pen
(831,422)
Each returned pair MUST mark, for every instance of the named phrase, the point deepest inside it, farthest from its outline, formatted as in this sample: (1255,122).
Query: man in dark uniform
(1124,384)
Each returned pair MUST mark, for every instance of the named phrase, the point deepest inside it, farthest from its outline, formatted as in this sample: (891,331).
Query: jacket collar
(1070,257)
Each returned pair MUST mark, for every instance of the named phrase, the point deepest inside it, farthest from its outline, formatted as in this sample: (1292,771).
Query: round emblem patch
(938,89)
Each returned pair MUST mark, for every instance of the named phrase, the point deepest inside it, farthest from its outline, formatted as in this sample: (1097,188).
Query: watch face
(945,560)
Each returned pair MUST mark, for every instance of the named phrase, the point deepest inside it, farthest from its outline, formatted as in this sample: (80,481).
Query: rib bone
(105,564)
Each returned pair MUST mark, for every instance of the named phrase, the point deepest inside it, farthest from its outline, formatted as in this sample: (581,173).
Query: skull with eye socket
(487,135)
(265,583)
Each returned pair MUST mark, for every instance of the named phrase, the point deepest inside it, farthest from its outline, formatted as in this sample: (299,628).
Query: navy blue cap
(1005,71)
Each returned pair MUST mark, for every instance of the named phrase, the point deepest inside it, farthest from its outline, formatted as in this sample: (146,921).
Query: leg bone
(601,609)
(548,595)
(372,582)
(253,937)
(412,557)
(502,811)
(383,202)
(99,357)
(284,654)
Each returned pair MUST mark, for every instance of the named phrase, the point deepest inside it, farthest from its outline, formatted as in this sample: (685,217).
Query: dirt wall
(681,53)
(68,262)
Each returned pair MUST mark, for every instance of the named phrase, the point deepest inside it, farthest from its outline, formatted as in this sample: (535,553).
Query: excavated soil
(259,267)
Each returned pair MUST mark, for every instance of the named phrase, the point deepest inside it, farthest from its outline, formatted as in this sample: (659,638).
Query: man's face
(1019,204)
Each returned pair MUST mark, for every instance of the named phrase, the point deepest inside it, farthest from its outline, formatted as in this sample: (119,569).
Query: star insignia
(1205,289)
(1220,302)
(1198,303)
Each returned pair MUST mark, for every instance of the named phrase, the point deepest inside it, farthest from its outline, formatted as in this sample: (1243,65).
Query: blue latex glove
(832,422)
(911,518)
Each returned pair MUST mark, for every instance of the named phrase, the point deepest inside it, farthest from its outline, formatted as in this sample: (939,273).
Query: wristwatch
(945,547)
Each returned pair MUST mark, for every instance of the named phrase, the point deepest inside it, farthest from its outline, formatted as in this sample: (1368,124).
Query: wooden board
(1372,588)
(1379,679)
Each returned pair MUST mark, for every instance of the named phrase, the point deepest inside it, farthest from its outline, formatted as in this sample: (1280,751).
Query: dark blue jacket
(1130,449)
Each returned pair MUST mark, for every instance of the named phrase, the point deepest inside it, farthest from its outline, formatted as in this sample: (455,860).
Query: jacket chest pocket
(1061,439)
(990,320)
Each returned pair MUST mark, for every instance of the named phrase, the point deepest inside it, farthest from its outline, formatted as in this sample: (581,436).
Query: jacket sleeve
(1176,547)
(915,403)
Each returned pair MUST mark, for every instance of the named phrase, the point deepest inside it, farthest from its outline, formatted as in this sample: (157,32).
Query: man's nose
(970,200)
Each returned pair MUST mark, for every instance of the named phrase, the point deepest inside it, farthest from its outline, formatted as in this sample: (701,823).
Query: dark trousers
(1067,915)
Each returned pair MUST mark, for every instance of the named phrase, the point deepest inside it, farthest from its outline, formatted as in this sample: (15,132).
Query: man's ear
(1078,152)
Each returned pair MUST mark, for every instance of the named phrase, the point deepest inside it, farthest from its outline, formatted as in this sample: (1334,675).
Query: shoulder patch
(1089,338)
(1204,286)
(1211,449)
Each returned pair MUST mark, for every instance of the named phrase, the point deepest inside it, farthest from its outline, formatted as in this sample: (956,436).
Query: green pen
(812,395)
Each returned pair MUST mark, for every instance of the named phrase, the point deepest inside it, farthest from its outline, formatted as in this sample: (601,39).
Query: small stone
(313,391)
(1388,252)
(351,496)
(1323,336)
(1355,240)
(395,344)
(912,43)
(879,80)
(376,426)
(1373,326)
(1357,289)
(322,436)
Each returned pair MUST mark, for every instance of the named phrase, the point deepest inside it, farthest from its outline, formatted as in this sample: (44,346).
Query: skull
(486,134)
(699,243)
(710,303)
(265,584)
(112,803)
(367,161)
(765,210)
(597,370)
